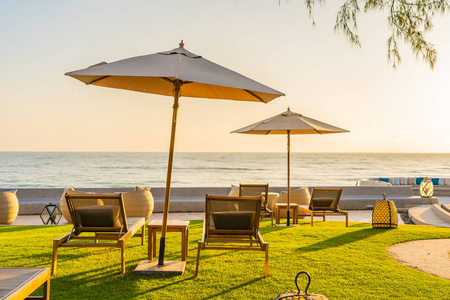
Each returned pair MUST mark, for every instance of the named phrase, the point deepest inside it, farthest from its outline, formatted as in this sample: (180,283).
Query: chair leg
(266,268)
(54,256)
(183,245)
(122,257)
(187,242)
(312,219)
(143,235)
(46,292)
(346,219)
(198,258)
(150,244)
(154,244)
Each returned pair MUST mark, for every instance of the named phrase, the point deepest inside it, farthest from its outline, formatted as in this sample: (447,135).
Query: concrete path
(433,215)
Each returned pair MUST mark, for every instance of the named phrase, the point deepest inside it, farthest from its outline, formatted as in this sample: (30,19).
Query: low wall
(439,190)
(192,199)
(365,197)
(33,201)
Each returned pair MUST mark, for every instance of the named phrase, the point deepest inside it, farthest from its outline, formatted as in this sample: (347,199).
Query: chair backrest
(325,199)
(255,190)
(97,212)
(232,215)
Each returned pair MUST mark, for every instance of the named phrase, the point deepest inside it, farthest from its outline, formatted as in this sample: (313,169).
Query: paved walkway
(362,216)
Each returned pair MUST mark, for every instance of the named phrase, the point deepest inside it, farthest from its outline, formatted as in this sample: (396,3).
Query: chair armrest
(132,230)
(204,232)
(260,239)
(61,240)
(304,209)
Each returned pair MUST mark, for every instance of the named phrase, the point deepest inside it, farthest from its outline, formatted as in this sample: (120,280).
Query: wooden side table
(280,206)
(19,283)
(172,226)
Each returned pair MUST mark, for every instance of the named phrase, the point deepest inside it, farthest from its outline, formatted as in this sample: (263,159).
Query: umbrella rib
(98,79)
(167,79)
(254,95)
(172,81)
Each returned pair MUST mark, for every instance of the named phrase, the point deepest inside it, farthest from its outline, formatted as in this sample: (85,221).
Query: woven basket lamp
(384,214)
(426,189)
(298,295)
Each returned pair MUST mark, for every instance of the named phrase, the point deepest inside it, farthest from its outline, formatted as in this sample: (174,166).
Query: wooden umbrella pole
(288,176)
(162,242)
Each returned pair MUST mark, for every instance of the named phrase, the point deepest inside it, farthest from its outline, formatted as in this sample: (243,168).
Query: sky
(273,42)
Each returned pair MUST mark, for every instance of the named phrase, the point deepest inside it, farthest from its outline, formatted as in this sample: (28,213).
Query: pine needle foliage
(408,21)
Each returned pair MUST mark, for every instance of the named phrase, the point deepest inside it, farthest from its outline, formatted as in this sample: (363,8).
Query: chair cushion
(99,216)
(240,220)
(322,203)
(81,202)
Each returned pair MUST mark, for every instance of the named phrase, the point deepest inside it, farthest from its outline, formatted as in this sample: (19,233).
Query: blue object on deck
(419,180)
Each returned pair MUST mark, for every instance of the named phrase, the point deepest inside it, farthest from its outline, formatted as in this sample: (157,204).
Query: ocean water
(100,169)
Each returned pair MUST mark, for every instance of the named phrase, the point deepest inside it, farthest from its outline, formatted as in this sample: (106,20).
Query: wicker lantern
(426,189)
(51,214)
(384,214)
(298,295)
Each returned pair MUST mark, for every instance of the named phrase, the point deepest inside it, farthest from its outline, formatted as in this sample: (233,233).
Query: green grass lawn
(344,263)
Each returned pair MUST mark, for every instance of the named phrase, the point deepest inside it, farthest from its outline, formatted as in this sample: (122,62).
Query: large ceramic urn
(9,207)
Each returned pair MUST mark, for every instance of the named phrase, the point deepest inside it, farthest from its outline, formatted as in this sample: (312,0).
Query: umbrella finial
(289,109)
(181,44)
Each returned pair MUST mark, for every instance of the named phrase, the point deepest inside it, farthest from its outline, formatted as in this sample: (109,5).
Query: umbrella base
(285,225)
(151,267)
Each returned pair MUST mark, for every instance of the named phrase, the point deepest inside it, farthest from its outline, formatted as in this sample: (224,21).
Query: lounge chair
(258,190)
(324,202)
(232,223)
(98,217)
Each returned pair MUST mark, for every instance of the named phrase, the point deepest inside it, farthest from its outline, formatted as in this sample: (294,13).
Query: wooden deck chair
(232,223)
(98,218)
(258,190)
(325,202)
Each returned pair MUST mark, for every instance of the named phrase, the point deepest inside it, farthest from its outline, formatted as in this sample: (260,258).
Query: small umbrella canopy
(176,73)
(289,122)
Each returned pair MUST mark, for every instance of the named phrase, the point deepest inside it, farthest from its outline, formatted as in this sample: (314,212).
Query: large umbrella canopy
(176,73)
(288,123)
(156,73)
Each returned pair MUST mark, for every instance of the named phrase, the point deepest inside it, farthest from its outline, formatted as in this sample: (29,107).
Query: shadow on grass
(166,285)
(341,240)
(98,278)
(20,228)
(237,287)
(357,225)
(274,229)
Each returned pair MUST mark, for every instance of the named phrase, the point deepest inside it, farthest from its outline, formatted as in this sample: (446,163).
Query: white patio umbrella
(289,123)
(176,73)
